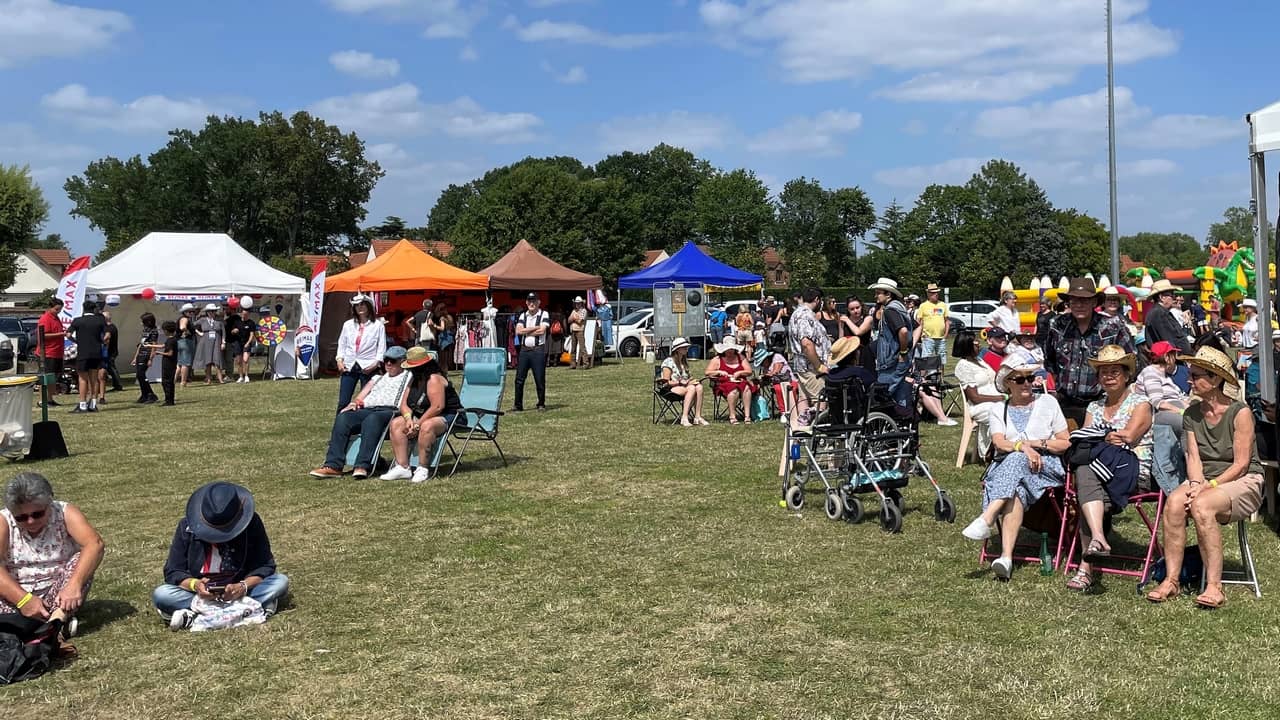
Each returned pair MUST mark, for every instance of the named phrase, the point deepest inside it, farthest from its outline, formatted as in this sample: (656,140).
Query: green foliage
(1164,251)
(1236,226)
(661,186)
(449,208)
(292,265)
(1015,219)
(1088,243)
(23,211)
(278,186)
(734,218)
(52,241)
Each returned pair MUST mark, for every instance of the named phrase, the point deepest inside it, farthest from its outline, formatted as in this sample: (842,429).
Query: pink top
(35,561)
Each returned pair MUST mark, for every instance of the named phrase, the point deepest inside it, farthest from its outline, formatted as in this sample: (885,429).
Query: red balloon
(148,293)
(233,302)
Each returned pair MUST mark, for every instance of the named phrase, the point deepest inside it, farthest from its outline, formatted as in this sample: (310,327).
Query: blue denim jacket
(1168,463)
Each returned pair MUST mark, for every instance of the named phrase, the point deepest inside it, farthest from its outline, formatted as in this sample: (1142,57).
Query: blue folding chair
(483,382)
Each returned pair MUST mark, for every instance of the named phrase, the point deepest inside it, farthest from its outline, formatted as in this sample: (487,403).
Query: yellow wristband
(25,599)
(1017,447)
(194,584)
(1213,483)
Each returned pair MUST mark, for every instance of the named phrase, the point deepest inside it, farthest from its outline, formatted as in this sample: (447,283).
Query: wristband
(1017,447)
(25,599)
(194,584)
(1213,483)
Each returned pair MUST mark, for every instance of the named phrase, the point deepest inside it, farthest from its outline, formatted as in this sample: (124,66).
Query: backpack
(27,647)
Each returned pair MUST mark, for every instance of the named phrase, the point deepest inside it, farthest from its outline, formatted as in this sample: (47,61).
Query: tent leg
(1262,290)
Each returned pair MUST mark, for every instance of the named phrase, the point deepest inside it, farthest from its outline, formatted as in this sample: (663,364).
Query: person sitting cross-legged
(432,404)
(381,399)
(220,551)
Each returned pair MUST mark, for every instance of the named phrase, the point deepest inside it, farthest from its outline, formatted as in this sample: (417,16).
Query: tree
(1016,220)
(1088,243)
(734,217)
(117,198)
(1236,226)
(661,185)
(23,211)
(391,227)
(856,215)
(940,241)
(809,236)
(1164,250)
(292,265)
(52,241)
(450,206)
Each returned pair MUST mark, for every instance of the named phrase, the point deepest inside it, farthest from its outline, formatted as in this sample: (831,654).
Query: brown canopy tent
(524,268)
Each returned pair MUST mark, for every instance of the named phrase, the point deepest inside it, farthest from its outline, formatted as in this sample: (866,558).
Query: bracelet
(1017,447)
(194,584)
(1213,483)
(25,599)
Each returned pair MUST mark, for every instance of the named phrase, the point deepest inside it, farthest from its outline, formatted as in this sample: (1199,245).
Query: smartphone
(215,588)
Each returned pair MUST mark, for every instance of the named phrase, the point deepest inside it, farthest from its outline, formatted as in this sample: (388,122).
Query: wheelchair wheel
(890,518)
(943,509)
(795,497)
(853,512)
(835,506)
(879,423)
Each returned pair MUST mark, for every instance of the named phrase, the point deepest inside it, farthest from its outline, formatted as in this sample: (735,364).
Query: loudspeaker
(47,442)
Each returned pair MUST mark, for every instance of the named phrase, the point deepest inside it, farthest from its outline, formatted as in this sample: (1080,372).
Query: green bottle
(1046,562)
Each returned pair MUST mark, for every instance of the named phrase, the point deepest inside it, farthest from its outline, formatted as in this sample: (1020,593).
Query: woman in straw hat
(1224,477)
(1128,412)
(1029,431)
(429,408)
(731,372)
(676,376)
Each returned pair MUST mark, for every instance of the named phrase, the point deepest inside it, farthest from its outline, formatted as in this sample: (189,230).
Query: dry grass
(615,569)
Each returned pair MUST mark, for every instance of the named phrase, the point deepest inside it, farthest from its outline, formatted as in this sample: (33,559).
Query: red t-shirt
(51,324)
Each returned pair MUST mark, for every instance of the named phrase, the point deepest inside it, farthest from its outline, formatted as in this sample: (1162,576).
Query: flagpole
(1111,148)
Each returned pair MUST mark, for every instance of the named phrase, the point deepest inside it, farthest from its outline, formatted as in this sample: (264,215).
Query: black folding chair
(665,403)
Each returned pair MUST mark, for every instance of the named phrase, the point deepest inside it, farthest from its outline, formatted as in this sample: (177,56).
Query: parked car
(974,313)
(628,331)
(12,328)
(622,308)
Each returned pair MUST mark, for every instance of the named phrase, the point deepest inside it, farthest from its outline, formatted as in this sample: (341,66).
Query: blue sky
(889,96)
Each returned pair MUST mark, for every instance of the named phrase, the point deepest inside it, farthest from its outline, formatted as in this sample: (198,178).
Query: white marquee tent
(1264,137)
(191,264)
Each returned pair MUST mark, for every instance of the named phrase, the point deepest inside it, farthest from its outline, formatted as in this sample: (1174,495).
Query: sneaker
(517,409)
(359,474)
(70,628)
(978,529)
(324,471)
(182,619)
(542,408)
(269,607)
(397,472)
(169,404)
(102,401)
(1002,567)
(947,423)
(421,475)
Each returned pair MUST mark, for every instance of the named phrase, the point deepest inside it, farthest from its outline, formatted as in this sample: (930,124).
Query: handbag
(759,408)
(218,615)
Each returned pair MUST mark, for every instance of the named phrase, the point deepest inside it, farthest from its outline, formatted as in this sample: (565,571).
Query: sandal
(1208,603)
(1166,590)
(1096,551)
(733,421)
(1083,581)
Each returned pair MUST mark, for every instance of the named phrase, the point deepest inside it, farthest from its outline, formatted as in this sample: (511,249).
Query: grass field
(615,569)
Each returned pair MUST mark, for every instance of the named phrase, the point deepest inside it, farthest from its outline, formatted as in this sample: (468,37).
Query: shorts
(88,364)
(235,349)
(1246,495)
(53,365)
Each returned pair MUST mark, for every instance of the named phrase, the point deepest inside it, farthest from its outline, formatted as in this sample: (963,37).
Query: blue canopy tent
(690,265)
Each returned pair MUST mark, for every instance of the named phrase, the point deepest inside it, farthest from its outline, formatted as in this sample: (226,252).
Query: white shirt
(530,320)
(387,391)
(1249,333)
(372,344)
(1046,421)
(1006,318)
(977,375)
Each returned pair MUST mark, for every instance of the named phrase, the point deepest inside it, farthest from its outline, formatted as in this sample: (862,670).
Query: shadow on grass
(97,614)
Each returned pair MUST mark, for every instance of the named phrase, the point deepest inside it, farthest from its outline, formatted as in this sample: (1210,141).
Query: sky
(887,95)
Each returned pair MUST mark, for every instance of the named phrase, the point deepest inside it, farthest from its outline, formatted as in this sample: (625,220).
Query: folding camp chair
(1140,501)
(483,381)
(1050,520)
(665,403)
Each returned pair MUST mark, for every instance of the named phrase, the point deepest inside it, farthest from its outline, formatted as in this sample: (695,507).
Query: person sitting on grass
(731,372)
(220,551)
(382,398)
(678,381)
(49,552)
(1125,450)
(1027,431)
(1224,476)
(432,404)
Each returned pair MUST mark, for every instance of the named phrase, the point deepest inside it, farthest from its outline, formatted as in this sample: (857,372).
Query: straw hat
(842,348)
(416,356)
(1249,303)
(1114,355)
(1161,286)
(1015,366)
(729,343)
(887,285)
(1215,361)
(932,287)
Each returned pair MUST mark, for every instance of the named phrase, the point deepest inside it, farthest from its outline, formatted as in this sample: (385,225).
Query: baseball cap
(998,332)
(1162,348)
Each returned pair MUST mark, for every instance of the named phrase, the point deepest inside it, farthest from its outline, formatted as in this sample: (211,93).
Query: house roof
(435,248)
(56,259)
(771,257)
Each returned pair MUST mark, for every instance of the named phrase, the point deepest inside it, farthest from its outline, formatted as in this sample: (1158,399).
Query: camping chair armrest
(482,411)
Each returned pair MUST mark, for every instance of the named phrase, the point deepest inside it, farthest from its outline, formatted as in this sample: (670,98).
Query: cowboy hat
(1017,365)
(359,298)
(1249,303)
(1081,287)
(579,299)
(729,343)
(887,285)
(416,356)
(211,308)
(932,287)
(219,512)
(1160,287)
(842,348)
(678,343)
(1215,361)
(1114,355)
(187,307)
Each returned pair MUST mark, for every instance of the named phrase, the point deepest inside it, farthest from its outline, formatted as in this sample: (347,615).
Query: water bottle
(795,451)
(1046,562)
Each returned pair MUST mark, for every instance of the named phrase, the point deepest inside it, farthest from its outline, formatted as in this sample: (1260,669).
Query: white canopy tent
(1264,137)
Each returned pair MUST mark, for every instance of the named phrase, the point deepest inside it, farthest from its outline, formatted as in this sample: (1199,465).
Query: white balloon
(113,300)
(246,302)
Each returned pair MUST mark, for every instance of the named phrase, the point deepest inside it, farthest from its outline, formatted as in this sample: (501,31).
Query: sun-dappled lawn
(614,569)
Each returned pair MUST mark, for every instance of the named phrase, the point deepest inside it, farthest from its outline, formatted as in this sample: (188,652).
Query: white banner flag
(71,291)
(305,340)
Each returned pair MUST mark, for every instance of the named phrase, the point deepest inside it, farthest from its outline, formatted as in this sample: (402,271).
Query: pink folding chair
(1140,501)
(1050,516)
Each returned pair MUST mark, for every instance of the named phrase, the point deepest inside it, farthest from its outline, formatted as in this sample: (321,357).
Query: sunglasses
(1020,379)
(30,516)
(392,360)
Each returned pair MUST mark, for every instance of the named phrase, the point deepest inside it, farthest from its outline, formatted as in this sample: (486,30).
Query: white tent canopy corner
(190,263)
(1264,137)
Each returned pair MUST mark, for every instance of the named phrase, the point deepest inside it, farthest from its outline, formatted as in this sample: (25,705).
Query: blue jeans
(717,333)
(370,423)
(894,378)
(169,599)
(934,347)
(347,384)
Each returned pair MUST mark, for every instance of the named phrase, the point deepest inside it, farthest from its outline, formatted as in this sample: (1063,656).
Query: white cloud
(1150,167)
(74,104)
(915,127)
(399,110)
(1002,50)
(817,135)
(468,54)
(1076,114)
(640,133)
(442,18)
(575,75)
(950,172)
(363,64)
(573,33)
(1190,131)
(42,28)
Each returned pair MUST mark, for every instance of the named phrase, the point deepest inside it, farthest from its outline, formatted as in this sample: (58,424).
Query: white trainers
(182,619)
(421,475)
(1002,567)
(397,472)
(948,423)
(978,529)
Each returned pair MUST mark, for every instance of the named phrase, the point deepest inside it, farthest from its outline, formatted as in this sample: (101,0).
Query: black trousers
(532,359)
(113,374)
(167,373)
(144,387)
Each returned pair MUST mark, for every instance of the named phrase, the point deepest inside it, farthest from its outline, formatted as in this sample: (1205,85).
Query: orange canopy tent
(405,267)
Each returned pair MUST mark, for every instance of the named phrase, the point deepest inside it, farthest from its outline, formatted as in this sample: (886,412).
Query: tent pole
(1262,290)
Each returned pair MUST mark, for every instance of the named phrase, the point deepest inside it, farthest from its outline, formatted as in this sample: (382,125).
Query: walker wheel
(835,506)
(896,497)
(943,509)
(890,518)
(853,512)
(795,497)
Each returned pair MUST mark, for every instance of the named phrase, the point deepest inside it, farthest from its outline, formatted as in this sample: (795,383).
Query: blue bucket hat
(219,512)
(395,352)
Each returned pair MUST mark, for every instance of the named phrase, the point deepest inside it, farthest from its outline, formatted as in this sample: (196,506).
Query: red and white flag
(305,340)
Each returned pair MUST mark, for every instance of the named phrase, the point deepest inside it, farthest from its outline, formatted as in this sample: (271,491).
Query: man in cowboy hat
(1075,338)
(935,323)
(577,333)
(1160,322)
(893,343)
(810,347)
(220,551)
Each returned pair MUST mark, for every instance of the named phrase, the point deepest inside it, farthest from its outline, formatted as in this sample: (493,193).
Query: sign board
(678,312)
(677,300)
